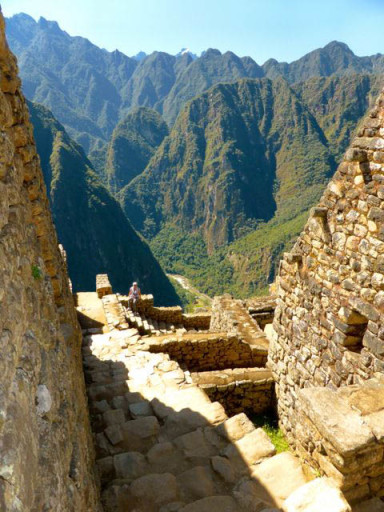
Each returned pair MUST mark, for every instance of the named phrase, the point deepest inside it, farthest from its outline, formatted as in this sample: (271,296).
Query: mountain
(335,58)
(90,223)
(211,68)
(133,143)
(237,156)
(90,90)
(152,80)
(139,56)
(185,201)
(184,51)
(75,79)
(338,103)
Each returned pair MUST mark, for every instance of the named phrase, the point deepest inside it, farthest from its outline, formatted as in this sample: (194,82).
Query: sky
(282,29)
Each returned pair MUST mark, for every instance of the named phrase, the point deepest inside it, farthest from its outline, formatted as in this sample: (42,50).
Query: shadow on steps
(163,446)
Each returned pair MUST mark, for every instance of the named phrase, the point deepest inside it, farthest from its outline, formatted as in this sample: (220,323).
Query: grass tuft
(268,422)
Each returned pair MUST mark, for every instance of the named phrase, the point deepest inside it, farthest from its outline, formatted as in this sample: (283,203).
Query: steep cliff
(237,156)
(90,223)
(133,143)
(47,455)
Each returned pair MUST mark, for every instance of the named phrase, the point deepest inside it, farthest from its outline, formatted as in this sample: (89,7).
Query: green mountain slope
(90,90)
(133,143)
(338,103)
(334,59)
(211,68)
(237,156)
(78,81)
(90,223)
(303,131)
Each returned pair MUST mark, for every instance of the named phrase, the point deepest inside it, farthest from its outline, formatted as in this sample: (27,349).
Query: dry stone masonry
(162,445)
(166,390)
(327,349)
(46,451)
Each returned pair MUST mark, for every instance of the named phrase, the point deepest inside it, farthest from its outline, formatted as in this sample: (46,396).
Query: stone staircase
(162,445)
(149,326)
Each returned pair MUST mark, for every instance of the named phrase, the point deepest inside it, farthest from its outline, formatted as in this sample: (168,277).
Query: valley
(215,160)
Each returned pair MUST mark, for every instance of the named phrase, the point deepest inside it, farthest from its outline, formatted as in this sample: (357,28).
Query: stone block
(335,419)
(223,467)
(212,504)
(373,505)
(373,344)
(280,475)
(130,465)
(157,489)
(140,409)
(114,417)
(320,495)
(196,483)
(250,449)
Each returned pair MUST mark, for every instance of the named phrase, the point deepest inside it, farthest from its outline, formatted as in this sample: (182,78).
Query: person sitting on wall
(133,297)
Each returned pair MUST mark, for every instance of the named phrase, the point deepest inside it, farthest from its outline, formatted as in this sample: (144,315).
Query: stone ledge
(335,419)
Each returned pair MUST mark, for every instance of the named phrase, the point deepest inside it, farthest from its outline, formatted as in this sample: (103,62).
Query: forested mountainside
(235,151)
(232,161)
(133,143)
(250,147)
(90,223)
(89,89)
(338,103)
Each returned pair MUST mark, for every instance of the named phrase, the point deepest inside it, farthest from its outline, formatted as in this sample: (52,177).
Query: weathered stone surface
(156,488)
(373,505)
(320,495)
(251,448)
(196,483)
(130,465)
(223,467)
(280,475)
(334,418)
(212,504)
(236,427)
(47,458)
(140,409)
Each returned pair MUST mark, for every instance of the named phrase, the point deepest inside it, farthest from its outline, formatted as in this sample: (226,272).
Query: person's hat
(134,283)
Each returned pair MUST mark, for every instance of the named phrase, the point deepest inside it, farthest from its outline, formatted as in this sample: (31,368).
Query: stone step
(159,438)
(373,505)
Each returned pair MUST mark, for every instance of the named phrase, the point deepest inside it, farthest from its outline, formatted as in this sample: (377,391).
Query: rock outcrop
(47,457)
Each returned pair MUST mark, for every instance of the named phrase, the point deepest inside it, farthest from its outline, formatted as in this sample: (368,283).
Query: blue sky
(283,29)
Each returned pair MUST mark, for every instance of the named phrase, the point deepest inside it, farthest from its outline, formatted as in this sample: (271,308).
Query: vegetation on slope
(89,221)
(133,143)
(89,89)
(238,155)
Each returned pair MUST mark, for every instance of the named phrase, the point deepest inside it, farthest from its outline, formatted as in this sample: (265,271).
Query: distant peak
(337,45)
(139,56)
(210,52)
(186,51)
(23,17)
(50,25)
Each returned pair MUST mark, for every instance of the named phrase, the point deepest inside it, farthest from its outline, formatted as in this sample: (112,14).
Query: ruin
(105,410)
(327,348)
(47,455)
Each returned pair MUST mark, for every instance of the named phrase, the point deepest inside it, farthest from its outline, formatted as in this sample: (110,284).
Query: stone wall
(232,316)
(213,351)
(329,321)
(249,390)
(46,447)
(342,432)
(169,315)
